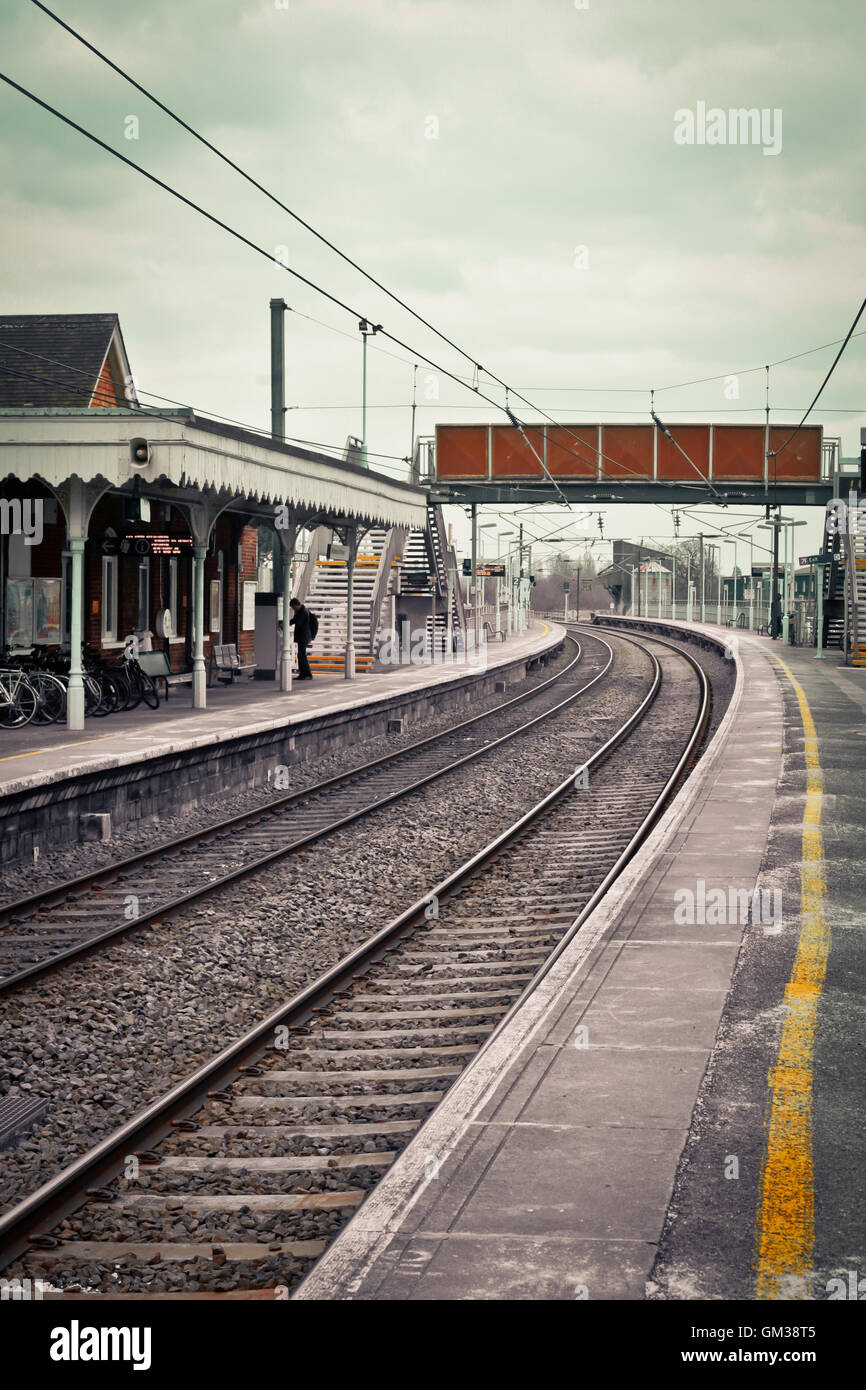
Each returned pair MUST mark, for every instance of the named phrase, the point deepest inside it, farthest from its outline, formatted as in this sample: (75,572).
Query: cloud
(555,129)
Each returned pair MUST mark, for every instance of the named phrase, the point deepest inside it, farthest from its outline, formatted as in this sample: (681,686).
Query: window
(109,598)
(143,594)
(172,594)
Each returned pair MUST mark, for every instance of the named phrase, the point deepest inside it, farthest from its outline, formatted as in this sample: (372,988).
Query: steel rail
(157,914)
(55,895)
(649,822)
(64,1192)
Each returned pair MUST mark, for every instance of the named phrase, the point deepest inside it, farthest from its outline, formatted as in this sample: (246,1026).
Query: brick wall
(249,556)
(105,394)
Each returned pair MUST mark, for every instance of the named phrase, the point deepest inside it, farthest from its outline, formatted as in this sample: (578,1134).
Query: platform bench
(158,667)
(224,661)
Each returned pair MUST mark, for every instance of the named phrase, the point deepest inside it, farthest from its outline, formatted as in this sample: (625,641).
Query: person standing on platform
(300,621)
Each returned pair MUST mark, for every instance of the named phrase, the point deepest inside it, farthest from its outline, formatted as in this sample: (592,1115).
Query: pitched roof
(55,359)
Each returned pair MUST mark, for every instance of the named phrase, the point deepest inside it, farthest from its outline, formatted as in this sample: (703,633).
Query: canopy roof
(197,454)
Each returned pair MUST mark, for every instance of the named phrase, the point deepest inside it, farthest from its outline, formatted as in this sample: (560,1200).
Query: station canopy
(192,458)
(634,463)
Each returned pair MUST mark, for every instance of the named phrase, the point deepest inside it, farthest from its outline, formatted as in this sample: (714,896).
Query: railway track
(40,932)
(240,1176)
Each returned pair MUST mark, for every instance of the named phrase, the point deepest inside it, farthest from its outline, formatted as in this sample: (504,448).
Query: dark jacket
(300,621)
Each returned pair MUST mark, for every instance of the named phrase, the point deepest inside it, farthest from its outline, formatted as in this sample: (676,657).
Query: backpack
(314,625)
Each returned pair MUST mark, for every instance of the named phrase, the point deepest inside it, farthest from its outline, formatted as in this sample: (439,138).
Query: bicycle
(57,664)
(50,689)
(143,684)
(18,699)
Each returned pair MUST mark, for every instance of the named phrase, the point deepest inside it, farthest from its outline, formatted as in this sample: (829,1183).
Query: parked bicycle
(18,699)
(34,685)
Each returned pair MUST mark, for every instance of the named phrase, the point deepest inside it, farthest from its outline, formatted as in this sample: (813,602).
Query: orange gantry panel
(461,451)
(572,451)
(512,456)
(738,452)
(627,451)
(695,440)
(801,461)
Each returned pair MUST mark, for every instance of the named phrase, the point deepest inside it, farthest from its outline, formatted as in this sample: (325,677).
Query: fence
(801,613)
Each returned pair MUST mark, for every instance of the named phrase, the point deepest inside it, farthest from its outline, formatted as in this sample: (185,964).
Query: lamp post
(365,329)
(509,585)
(788,523)
(746,536)
(731,540)
(716,551)
(488,526)
(703,580)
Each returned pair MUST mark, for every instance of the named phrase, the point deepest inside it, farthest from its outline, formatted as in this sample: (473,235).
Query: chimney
(278,369)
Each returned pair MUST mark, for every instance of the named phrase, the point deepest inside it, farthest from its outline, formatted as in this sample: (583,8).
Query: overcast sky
(554,130)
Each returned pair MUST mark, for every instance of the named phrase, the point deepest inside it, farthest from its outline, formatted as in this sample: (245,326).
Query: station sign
(486,571)
(565,586)
(148,543)
(816,559)
(301,555)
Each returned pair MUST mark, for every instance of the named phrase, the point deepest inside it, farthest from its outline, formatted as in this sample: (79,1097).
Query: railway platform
(131,765)
(675,1109)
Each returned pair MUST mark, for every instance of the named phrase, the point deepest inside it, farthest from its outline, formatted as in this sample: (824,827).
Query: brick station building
(137,505)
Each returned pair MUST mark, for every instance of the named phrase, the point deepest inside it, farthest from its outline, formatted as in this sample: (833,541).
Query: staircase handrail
(449,564)
(394,544)
(304,579)
(850,632)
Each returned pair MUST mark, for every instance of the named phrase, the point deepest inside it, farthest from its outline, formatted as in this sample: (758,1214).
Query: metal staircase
(327,597)
(855,598)
(833,578)
(427,554)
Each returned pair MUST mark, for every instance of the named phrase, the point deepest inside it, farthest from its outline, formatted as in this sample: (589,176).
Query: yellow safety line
(10,757)
(786,1211)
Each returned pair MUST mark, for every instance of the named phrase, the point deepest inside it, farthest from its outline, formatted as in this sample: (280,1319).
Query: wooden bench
(158,667)
(224,660)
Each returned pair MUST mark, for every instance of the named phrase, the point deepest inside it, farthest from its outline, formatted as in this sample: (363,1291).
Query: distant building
(124,513)
(618,578)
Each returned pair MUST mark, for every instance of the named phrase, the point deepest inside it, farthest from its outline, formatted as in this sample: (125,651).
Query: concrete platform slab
(630,1164)
(38,756)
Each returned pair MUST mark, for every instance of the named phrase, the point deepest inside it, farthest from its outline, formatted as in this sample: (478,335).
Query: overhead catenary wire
(260,250)
(150,412)
(470,357)
(477,369)
(103,57)
(833,365)
(697,381)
